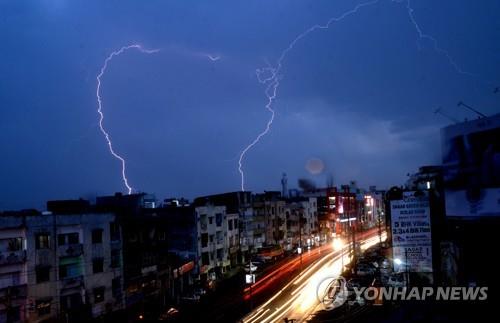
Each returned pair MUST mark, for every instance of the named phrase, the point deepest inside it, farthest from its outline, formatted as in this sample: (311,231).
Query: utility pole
(300,240)
(379,226)
(252,280)
(353,244)
(407,268)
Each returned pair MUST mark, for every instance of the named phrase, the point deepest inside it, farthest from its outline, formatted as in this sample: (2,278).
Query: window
(210,220)
(115,258)
(230,224)
(220,254)
(63,271)
(211,238)
(204,240)
(15,244)
(97,236)
(218,219)
(116,287)
(42,241)
(98,265)
(71,301)
(219,237)
(67,238)
(114,231)
(43,307)
(99,294)
(205,259)
(73,238)
(235,223)
(70,270)
(42,274)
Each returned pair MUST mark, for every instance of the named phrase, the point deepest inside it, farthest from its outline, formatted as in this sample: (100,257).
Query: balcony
(14,292)
(72,282)
(70,250)
(12,257)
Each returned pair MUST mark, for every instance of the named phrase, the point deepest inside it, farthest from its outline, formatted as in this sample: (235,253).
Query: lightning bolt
(99,103)
(434,41)
(271,77)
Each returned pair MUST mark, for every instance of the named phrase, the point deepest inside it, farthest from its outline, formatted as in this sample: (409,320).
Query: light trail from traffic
(298,299)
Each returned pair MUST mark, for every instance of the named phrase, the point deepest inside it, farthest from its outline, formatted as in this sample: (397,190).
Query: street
(297,300)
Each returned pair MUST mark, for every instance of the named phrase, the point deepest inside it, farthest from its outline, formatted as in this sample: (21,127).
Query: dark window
(43,307)
(15,244)
(204,240)
(97,265)
(67,238)
(230,224)
(210,220)
(235,223)
(114,231)
(205,258)
(97,236)
(115,258)
(71,301)
(218,219)
(98,294)
(63,271)
(73,238)
(42,241)
(116,287)
(211,238)
(61,239)
(42,274)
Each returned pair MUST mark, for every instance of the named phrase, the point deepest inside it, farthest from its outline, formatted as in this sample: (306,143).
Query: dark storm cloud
(359,96)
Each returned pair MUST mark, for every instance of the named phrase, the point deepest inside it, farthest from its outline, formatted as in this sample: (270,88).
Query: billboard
(411,233)
(471,165)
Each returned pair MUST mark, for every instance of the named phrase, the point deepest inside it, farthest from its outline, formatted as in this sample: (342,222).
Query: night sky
(359,96)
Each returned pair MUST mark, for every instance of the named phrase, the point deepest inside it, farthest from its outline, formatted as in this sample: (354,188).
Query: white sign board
(411,233)
(250,279)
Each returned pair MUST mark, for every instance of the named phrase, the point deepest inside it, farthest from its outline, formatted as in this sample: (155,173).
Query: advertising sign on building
(411,233)
(471,168)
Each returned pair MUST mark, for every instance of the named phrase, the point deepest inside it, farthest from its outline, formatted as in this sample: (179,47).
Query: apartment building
(61,264)
(213,247)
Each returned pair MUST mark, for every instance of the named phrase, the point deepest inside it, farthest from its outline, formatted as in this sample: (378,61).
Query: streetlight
(380,213)
(299,249)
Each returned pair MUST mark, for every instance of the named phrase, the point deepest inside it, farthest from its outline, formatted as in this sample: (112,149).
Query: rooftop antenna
(439,111)
(471,108)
